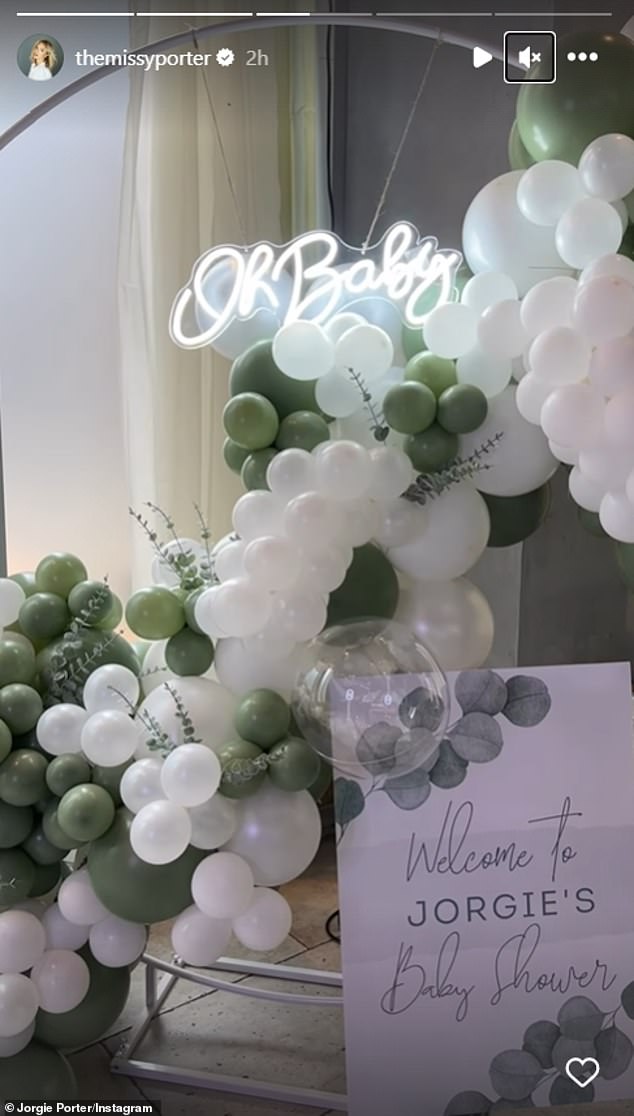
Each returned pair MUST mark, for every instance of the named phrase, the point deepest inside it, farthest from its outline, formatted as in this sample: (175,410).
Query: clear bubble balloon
(548,304)
(258,513)
(111,687)
(607,167)
(109,738)
(78,902)
(487,289)
(160,832)
(213,823)
(489,373)
(303,351)
(198,939)
(573,416)
(62,934)
(588,229)
(451,330)
(267,922)
(19,1002)
(604,309)
(115,942)
(22,941)
(367,350)
(451,618)
(546,190)
(278,834)
(190,774)
(290,473)
(59,728)
(616,515)
(560,356)
(62,979)
(222,885)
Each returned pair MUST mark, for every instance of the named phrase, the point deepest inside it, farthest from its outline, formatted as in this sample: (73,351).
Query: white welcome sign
(309,278)
(488,910)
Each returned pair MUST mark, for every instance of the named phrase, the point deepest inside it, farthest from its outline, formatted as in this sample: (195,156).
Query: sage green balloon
(262,718)
(17,662)
(189,605)
(110,778)
(41,850)
(436,373)
(65,772)
(91,600)
(370,588)
(253,472)
(189,653)
(44,616)
(302,430)
(101,648)
(6,741)
(23,778)
(514,518)
(17,876)
(26,581)
(16,822)
(559,120)
(294,765)
(97,1013)
(519,158)
(625,562)
(46,877)
(114,616)
(462,408)
(38,1073)
(256,371)
(86,812)
(251,420)
(155,613)
(59,573)
(132,889)
(237,781)
(409,407)
(53,831)
(20,707)
(234,455)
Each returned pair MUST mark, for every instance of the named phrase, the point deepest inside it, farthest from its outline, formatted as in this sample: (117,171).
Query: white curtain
(177,203)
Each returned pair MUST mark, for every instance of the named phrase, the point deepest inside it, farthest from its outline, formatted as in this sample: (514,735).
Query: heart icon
(586,1070)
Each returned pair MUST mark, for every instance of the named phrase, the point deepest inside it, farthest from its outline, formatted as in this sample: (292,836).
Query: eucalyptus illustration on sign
(475,737)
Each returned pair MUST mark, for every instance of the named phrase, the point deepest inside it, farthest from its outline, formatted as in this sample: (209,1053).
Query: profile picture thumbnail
(40,57)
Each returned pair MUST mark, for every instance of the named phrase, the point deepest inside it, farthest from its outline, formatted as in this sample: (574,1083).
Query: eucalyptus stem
(377,420)
(428,486)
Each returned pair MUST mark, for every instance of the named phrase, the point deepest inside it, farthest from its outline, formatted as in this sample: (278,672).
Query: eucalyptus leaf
(528,701)
(480,691)
(421,709)
(468,1104)
(409,749)
(449,770)
(564,1091)
(627,1000)
(409,791)
(539,1040)
(567,1048)
(349,801)
(580,1018)
(515,1074)
(477,738)
(614,1052)
(376,747)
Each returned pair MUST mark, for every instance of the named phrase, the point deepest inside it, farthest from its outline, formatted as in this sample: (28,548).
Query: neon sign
(313,277)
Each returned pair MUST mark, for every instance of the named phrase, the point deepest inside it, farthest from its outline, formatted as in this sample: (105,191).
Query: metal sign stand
(157,991)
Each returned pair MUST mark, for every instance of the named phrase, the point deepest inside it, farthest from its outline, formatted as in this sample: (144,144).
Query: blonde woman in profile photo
(43,60)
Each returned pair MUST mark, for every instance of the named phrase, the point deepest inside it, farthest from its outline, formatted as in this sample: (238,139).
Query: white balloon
(391,471)
(59,729)
(629,487)
(452,619)
(290,473)
(619,416)
(16,1043)
(271,562)
(489,373)
(573,416)
(566,454)
(267,922)
(229,561)
(360,521)
(401,521)
(560,356)
(612,366)
(213,823)
(109,738)
(324,568)
(614,265)
(343,470)
(531,395)
(548,304)
(258,513)
(209,705)
(19,1002)
(340,324)
(311,515)
(300,613)
(115,942)
(337,394)
(587,493)
(12,597)
(451,330)
(141,784)
(520,462)
(500,330)
(456,535)
(78,901)
(270,644)
(222,885)
(604,309)
(205,612)
(616,515)
(111,687)
(607,167)
(241,608)
(22,941)
(303,351)
(62,934)
(62,979)
(199,940)
(607,464)
(278,834)
(386,315)
(160,832)
(367,350)
(487,289)
(588,229)
(190,775)
(497,237)
(546,190)
(240,671)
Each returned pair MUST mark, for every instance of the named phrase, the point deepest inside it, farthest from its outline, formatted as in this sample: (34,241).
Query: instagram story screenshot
(316,557)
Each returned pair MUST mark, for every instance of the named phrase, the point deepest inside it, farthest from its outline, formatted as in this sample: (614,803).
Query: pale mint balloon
(303,351)
(222,885)
(199,940)
(62,934)
(590,228)
(337,394)
(546,190)
(500,331)
(560,356)
(258,513)
(452,619)
(109,738)
(616,516)
(487,289)
(141,783)
(22,941)
(300,613)
(160,832)
(271,562)
(229,561)
(451,330)
(311,516)
(340,324)
(365,349)
(454,539)
(291,472)
(62,979)
(13,1045)
(12,597)
(401,521)
(489,373)
(521,460)
(19,1002)
(607,464)
(59,728)
(604,309)
(267,922)
(573,415)
(342,471)
(213,823)
(391,470)
(531,395)
(587,493)
(613,265)
(548,304)
(607,167)
(78,902)
(111,687)
(115,942)
(190,775)
(278,834)
(619,417)
(241,608)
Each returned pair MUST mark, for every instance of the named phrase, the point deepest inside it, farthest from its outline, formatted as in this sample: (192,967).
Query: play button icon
(481,57)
